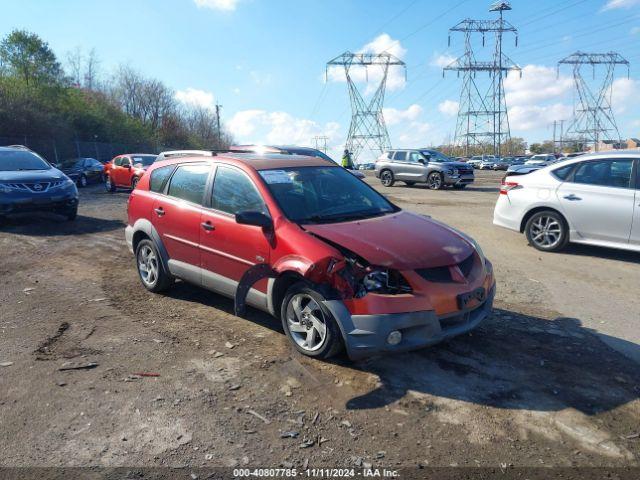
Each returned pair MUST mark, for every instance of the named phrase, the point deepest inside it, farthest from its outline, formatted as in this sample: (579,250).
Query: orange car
(124,171)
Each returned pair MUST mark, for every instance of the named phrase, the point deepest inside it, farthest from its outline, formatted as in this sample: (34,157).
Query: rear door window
(400,156)
(189,183)
(605,173)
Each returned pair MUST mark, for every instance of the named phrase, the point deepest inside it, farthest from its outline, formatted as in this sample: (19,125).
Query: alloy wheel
(306,322)
(83,181)
(434,181)
(546,232)
(148,265)
(386,178)
(107,183)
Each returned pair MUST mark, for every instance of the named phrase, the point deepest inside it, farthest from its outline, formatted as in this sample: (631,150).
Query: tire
(547,231)
(386,178)
(410,184)
(134,182)
(71,214)
(435,181)
(109,185)
(310,315)
(150,268)
(460,186)
(82,181)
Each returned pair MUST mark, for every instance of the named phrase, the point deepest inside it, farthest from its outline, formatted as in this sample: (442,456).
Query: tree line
(42,97)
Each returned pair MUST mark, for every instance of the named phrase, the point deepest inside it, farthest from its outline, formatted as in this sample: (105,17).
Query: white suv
(592,199)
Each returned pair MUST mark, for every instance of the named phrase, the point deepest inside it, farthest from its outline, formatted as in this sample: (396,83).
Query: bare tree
(91,70)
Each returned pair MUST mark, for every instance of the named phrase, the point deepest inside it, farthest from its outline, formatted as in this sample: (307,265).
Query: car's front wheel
(387,179)
(150,268)
(82,181)
(134,182)
(435,181)
(310,326)
(71,213)
(109,185)
(547,231)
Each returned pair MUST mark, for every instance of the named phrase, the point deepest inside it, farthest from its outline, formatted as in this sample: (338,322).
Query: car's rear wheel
(387,179)
(109,185)
(82,181)
(547,231)
(150,268)
(435,181)
(310,326)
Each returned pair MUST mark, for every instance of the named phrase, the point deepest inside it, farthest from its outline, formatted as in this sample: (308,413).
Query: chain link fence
(56,150)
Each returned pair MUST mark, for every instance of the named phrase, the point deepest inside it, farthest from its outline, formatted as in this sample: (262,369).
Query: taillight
(506,187)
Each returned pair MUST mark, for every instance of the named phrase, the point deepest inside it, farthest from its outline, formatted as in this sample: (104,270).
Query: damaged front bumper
(366,335)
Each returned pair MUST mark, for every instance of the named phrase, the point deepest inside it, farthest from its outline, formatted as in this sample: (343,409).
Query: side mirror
(257,219)
(128,167)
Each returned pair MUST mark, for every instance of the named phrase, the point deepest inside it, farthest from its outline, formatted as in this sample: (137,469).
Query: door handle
(208,226)
(159,211)
(572,197)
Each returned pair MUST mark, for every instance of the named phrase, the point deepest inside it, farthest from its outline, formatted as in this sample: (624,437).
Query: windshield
(144,160)
(324,195)
(12,160)
(435,156)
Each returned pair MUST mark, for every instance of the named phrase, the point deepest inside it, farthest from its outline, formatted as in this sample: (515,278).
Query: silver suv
(422,165)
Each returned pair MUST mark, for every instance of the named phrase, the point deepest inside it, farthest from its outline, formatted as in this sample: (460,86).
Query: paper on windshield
(276,176)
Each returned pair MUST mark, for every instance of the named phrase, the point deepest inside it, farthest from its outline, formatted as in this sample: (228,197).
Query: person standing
(347,162)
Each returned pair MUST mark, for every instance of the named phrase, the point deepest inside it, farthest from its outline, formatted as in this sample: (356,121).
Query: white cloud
(373,74)
(278,128)
(415,134)
(449,108)
(616,4)
(625,94)
(442,61)
(393,116)
(538,84)
(195,97)
(534,117)
(224,5)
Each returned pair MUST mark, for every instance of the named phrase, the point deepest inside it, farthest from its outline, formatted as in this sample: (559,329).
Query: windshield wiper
(342,217)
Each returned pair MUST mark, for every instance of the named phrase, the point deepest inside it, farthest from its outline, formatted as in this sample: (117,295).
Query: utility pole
(482,118)
(368,129)
(555,148)
(218,107)
(321,140)
(562,135)
(593,115)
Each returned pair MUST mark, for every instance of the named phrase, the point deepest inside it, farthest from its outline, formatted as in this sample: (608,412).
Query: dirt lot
(548,380)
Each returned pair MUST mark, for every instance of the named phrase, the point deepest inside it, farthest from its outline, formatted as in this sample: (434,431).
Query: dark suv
(28,183)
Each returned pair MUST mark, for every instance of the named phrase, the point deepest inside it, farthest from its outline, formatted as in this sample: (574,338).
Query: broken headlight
(384,281)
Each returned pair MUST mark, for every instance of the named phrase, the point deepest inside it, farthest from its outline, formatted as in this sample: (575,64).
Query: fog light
(394,338)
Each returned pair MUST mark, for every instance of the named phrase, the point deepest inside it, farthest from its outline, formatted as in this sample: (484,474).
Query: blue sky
(263,60)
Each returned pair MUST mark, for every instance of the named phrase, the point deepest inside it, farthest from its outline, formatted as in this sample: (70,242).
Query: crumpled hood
(28,176)
(403,241)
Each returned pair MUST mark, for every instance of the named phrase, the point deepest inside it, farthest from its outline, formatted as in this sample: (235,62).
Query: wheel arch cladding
(535,210)
(144,228)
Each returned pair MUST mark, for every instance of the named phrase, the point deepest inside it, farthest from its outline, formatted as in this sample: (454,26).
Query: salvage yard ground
(552,378)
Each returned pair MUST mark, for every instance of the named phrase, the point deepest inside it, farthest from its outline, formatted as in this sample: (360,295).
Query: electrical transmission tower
(482,115)
(368,129)
(593,118)
(320,142)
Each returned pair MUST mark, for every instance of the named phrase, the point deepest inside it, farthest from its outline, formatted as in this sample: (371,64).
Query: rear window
(189,183)
(14,160)
(159,178)
(563,173)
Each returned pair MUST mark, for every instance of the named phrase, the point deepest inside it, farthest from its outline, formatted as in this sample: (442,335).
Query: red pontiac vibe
(303,239)
(125,170)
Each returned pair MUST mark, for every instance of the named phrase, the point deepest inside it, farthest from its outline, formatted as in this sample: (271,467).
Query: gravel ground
(550,379)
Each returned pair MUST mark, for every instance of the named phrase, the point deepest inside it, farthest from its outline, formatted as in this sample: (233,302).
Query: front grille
(35,187)
(444,275)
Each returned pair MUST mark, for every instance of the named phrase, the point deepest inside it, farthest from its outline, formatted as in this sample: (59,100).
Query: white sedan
(592,199)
